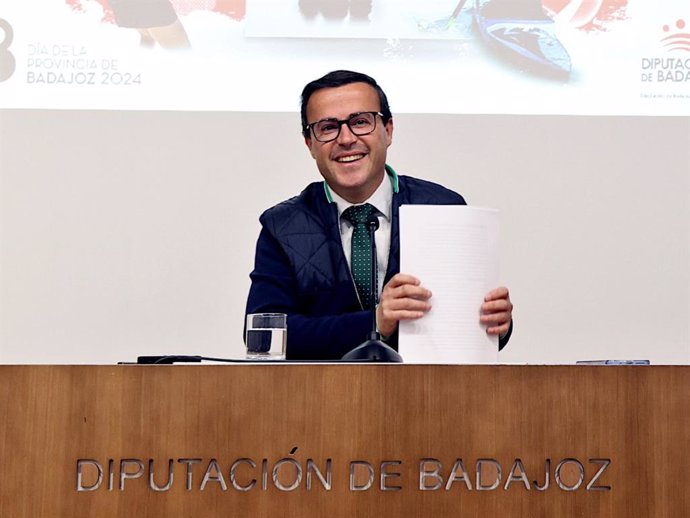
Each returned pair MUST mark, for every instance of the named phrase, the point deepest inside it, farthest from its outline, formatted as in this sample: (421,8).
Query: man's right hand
(403,298)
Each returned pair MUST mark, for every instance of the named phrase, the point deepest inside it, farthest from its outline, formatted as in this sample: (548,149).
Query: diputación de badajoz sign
(288,474)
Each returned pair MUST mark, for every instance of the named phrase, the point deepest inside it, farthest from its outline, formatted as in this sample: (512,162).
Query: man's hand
(403,298)
(497,311)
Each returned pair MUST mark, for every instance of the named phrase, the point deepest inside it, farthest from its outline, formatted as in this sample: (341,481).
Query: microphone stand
(373,349)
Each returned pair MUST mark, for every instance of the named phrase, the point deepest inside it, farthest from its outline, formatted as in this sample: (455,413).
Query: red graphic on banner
(589,15)
(678,40)
(157,20)
(234,9)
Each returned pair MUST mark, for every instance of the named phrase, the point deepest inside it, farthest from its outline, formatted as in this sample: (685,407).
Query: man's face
(353,166)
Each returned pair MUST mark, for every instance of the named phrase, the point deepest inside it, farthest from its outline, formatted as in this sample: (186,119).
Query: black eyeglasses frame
(310,127)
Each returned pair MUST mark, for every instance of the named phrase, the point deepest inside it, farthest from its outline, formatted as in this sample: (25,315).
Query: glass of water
(266,336)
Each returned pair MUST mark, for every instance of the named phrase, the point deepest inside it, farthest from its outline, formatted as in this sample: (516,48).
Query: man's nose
(346,136)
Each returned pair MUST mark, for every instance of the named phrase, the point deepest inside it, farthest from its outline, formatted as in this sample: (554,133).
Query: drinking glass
(266,336)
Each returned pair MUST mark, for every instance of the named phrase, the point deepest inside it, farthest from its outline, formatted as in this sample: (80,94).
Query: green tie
(360,260)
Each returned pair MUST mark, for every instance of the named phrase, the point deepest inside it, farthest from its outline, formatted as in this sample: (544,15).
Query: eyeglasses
(327,130)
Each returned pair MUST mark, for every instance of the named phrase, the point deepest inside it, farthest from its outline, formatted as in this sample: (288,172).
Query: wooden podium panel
(222,427)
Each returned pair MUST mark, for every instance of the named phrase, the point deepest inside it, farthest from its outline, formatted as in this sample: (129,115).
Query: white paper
(453,250)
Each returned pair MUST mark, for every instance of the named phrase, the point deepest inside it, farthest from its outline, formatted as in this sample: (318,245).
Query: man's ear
(389,131)
(308,142)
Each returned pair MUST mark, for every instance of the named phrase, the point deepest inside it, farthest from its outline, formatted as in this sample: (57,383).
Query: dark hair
(342,78)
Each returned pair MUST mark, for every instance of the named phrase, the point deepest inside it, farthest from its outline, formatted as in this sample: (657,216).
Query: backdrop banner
(586,57)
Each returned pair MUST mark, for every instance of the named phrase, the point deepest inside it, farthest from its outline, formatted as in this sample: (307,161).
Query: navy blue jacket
(300,269)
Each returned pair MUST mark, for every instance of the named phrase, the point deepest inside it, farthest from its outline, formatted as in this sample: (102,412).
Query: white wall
(129,233)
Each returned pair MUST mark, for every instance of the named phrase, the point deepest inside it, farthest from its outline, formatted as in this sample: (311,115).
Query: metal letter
(298,475)
(580,468)
(213,474)
(512,477)
(370,469)
(152,482)
(547,477)
(385,475)
(264,474)
(433,474)
(124,474)
(604,464)
(111,474)
(99,478)
(499,475)
(189,463)
(453,477)
(326,483)
(233,480)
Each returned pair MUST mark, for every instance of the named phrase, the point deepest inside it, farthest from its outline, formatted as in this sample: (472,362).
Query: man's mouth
(349,158)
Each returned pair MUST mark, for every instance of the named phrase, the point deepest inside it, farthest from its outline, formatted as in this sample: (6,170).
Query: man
(306,246)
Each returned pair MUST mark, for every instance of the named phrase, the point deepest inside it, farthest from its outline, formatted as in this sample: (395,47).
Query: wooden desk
(638,418)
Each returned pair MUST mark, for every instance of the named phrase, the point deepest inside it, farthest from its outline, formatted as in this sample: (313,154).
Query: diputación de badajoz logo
(676,40)
(7,61)
(671,63)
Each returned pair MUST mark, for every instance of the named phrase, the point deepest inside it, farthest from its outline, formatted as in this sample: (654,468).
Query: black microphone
(372,223)
(373,226)
(373,349)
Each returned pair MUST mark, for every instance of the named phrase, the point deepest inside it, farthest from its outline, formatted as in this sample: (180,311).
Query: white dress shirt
(382,200)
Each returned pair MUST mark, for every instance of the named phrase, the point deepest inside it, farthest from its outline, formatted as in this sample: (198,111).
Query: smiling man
(307,262)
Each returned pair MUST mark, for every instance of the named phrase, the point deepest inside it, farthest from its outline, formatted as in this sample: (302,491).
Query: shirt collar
(388,189)
(381,199)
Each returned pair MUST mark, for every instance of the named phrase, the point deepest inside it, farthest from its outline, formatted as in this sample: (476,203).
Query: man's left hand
(497,311)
